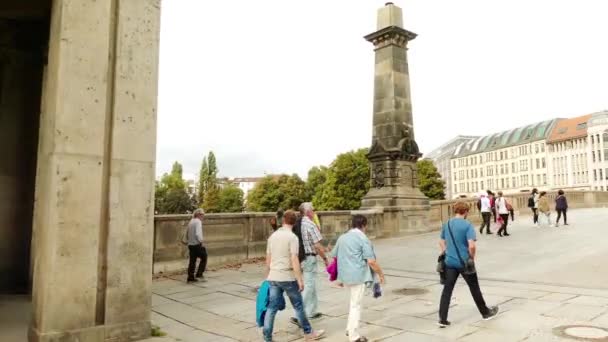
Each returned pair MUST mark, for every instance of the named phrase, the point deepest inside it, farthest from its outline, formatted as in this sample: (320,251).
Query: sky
(280,86)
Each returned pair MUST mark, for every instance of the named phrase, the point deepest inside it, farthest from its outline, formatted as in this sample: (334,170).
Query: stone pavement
(542,278)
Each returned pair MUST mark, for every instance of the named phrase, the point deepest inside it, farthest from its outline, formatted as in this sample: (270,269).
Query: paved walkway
(542,278)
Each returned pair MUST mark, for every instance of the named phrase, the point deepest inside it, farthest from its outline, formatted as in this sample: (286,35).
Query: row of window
(501,183)
(502,169)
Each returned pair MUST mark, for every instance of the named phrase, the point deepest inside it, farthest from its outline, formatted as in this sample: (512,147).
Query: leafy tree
(274,192)
(317,176)
(209,191)
(203,178)
(347,181)
(230,199)
(431,184)
(170,193)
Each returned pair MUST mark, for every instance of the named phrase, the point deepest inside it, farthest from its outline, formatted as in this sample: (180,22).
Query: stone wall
(237,237)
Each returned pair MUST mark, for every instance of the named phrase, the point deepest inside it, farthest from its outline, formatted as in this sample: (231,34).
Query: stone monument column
(394,151)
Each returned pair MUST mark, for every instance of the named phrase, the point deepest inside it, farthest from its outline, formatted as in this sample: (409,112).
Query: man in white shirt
(486,212)
(195,246)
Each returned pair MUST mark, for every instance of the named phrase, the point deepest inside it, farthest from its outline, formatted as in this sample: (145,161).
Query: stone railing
(241,236)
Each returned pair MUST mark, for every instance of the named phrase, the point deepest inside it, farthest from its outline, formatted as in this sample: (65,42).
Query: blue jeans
(309,273)
(276,293)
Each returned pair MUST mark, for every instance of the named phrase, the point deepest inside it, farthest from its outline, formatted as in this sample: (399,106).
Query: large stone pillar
(394,151)
(93,220)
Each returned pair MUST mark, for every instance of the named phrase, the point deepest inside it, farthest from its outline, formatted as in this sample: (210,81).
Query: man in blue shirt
(356,261)
(458,244)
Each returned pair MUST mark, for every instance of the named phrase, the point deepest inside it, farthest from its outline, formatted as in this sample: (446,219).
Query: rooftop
(566,129)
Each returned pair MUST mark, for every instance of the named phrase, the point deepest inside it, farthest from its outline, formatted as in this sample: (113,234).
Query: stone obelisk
(394,151)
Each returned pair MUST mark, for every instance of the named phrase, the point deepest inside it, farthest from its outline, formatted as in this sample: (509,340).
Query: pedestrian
(503,211)
(492,204)
(311,239)
(561,206)
(544,209)
(356,268)
(533,205)
(195,246)
(511,211)
(458,245)
(285,276)
(277,221)
(486,214)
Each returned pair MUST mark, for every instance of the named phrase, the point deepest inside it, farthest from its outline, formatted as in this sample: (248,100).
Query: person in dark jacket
(561,206)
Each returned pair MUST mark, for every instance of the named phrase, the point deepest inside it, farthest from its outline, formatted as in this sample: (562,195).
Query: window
(538,164)
(481,173)
(455,188)
(481,160)
(595,175)
(538,179)
(502,169)
(545,179)
(593,156)
(482,185)
(502,183)
(542,147)
(601,177)
(599,156)
(507,182)
(513,167)
(514,181)
(506,154)
(544,163)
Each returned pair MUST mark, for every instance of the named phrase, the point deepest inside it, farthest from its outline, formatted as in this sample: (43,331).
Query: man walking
(458,244)
(285,276)
(356,261)
(311,240)
(486,213)
(533,205)
(195,245)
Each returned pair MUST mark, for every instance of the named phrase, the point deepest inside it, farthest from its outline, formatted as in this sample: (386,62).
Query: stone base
(406,210)
(103,333)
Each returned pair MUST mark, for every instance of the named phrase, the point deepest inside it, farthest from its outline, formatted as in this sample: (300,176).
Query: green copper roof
(513,137)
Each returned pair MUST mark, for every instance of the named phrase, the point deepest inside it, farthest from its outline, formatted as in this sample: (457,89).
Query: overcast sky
(280,86)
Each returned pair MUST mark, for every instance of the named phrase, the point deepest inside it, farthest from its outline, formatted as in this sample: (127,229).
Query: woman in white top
(503,212)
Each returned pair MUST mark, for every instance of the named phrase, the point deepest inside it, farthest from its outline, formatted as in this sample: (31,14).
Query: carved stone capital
(392,35)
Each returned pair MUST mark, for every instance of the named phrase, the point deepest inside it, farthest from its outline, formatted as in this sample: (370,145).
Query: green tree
(429,179)
(274,192)
(170,193)
(230,199)
(317,176)
(346,183)
(211,202)
(203,178)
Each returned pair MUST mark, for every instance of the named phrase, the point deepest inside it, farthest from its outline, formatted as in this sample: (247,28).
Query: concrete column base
(110,333)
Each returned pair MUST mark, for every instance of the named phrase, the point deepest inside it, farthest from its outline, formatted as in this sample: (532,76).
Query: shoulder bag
(469,265)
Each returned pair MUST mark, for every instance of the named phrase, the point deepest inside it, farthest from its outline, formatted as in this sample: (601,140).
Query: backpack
(531,201)
(297,229)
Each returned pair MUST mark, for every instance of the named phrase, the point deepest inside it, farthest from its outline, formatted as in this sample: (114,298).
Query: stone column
(93,219)
(394,151)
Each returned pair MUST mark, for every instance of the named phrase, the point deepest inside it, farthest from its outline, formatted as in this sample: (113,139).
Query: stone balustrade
(237,237)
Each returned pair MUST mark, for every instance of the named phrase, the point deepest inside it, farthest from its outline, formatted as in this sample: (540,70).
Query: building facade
(597,146)
(511,161)
(441,158)
(568,152)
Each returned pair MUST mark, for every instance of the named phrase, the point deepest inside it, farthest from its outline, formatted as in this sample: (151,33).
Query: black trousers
(535,215)
(559,215)
(197,252)
(505,223)
(485,216)
(451,275)
(494,214)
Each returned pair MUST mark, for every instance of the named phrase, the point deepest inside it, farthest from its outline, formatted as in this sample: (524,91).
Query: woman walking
(561,206)
(503,212)
(543,208)
(458,245)
(533,205)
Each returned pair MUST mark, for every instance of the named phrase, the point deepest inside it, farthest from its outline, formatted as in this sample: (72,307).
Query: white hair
(198,211)
(306,207)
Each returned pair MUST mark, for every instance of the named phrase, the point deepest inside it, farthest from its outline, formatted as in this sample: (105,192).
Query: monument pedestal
(394,152)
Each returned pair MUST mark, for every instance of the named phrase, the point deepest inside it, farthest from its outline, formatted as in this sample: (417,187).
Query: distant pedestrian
(561,206)
(544,209)
(285,276)
(492,203)
(311,240)
(356,267)
(533,205)
(486,212)
(195,246)
(511,211)
(458,245)
(503,212)
(277,221)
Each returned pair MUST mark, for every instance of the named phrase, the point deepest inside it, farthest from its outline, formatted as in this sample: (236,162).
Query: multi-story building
(568,154)
(511,161)
(246,183)
(441,159)
(597,146)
